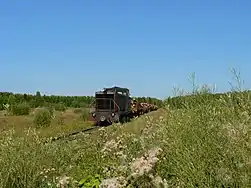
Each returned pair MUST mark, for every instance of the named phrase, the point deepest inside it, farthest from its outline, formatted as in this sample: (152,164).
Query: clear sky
(78,47)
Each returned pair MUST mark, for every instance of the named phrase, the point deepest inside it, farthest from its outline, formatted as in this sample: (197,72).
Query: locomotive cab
(111,105)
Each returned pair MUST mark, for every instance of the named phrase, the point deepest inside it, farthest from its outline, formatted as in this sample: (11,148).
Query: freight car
(115,105)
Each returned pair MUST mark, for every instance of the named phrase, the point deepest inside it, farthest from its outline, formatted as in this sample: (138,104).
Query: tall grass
(200,145)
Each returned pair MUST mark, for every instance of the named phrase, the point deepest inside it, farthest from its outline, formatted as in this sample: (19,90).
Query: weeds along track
(88,130)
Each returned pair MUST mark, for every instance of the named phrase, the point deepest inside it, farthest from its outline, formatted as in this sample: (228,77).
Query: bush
(50,108)
(42,118)
(90,181)
(20,109)
(60,107)
(83,105)
(85,114)
(75,104)
(77,110)
(60,119)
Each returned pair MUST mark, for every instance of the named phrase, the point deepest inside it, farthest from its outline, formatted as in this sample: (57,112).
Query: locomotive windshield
(104,101)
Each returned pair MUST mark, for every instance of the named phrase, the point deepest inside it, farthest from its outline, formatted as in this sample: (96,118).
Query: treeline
(199,99)
(39,100)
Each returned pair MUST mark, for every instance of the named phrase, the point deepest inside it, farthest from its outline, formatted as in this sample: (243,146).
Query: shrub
(60,107)
(90,181)
(85,115)
(2,107)
(83,105)
(75,104)
(77,110)
(60,119)
(42,118)
(50,108)
(20,109)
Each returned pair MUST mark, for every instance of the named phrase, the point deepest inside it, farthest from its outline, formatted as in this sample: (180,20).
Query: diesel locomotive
(116,105)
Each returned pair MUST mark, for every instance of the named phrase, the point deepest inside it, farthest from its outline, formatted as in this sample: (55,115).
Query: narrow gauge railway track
(87,131)
(112,105)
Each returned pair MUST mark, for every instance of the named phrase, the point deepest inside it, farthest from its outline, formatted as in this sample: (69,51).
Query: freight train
(116,105)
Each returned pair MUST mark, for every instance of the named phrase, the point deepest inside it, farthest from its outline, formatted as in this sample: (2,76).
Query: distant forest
(39,100)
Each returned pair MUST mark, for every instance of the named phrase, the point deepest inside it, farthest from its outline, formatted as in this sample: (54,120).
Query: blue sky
(78,47)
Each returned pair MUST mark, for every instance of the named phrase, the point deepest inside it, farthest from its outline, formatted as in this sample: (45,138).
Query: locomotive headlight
(102,118)
(113,114)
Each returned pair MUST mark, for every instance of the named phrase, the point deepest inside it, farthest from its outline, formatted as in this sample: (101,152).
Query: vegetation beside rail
(204,146)
(203,142)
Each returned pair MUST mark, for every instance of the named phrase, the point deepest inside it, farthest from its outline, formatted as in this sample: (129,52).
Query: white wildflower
(109,146)
(6,106)
(159,182)
(112,145)
(101,129)
(145,164)
(118,182)
(63,181)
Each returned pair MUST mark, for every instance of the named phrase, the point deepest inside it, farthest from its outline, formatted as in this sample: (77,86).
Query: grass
(205,146)
(62,123)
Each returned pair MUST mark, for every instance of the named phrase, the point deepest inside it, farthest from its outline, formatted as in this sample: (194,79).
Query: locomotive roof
(112,90)
(115,88)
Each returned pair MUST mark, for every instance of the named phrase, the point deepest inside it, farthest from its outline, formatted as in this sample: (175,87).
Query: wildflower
(135,140)
(119,154)
(122,168)
(101,129)
(6,107)
(109,146)
(63,181)
(112,145)
(159,182)
(145,164)
(118,182)
(49,184)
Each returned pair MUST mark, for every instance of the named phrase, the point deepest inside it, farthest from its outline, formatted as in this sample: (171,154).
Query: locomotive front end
(105,108)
